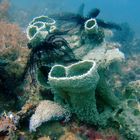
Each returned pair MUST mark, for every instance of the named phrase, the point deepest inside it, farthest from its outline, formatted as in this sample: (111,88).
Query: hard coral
(128,114)
(46,111)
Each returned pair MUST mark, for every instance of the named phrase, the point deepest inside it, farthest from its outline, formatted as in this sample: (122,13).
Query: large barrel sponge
(75,85)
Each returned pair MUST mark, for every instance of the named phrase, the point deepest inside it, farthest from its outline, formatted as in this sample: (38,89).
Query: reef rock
(129,120)
(128,114)
(105,54)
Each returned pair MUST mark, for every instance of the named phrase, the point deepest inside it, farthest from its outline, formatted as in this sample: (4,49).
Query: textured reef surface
(73,78)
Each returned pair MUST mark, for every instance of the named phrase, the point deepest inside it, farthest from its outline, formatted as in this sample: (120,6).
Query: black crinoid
(53,50)
(80,19)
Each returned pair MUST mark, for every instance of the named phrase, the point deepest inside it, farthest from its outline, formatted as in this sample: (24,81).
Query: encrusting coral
(47,111)
(131,95)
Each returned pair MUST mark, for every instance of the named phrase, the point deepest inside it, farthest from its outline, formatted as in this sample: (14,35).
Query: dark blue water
(111,10)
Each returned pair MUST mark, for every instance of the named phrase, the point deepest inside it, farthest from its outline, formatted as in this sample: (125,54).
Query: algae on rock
(128,114)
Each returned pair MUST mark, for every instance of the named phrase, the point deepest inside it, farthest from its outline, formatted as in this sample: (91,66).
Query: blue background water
(111,10)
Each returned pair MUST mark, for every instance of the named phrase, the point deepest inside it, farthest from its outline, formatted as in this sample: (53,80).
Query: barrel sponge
(91,26)
(82,75)
(35,36)
(47,111)
(93,32)
(39,28)
(75,85)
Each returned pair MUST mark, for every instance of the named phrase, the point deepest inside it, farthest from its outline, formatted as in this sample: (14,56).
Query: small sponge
(39,28)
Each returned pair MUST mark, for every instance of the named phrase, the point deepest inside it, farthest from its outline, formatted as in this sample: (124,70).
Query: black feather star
(80,19)
(46,54)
